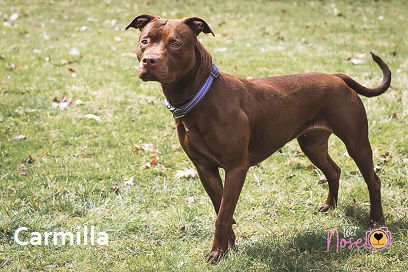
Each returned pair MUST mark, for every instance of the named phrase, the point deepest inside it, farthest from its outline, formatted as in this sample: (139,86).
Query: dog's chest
(193,142)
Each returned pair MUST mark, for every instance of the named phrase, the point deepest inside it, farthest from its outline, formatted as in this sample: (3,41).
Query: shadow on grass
(307,251)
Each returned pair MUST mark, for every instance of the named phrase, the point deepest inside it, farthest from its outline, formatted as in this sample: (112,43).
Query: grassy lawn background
(79,49)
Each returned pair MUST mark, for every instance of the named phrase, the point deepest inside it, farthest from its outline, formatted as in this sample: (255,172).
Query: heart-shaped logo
(378,236)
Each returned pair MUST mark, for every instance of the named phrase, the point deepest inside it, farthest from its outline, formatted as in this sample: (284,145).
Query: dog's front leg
(211,180)
(234,180)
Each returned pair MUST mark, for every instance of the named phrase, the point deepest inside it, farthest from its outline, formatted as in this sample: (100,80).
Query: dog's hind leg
(360,150)
(353,131)
(314,143)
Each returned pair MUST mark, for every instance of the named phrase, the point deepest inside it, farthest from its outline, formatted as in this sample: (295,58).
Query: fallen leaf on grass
(311,166)
(94,117)
(64,62)
(22,170)
(322,180)
(14,16)
(393,115)
(186,173)
(271,214)
(78,102)
(29,159)
(355,203)
(84,155)
(182,228)
(357,58)
(145,147)
(65,102)
(61,103)
(75,52)
(115,189)
(190,199)
(20,137)
(20,110)
(356,61)
(129,181)
(385,157)
(150,164)
(299,153)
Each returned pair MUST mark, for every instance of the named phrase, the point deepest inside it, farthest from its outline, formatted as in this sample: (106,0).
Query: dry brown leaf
(154,160)
(150,164)
(385,157)
(29,160)
(393,115)
(84,155)
(299,153)
(22,170)
(61,103)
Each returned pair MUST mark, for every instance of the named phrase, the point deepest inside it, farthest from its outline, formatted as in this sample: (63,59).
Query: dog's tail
(369,92)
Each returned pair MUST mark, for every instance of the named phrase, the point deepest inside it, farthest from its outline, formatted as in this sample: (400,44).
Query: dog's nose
(150,60)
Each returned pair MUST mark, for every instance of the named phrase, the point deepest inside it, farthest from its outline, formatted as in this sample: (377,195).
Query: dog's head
(167,49)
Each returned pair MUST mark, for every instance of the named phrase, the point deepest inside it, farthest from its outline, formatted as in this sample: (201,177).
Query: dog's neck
(188,85)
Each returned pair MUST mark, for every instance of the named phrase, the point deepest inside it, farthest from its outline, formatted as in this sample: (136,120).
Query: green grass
(151,225)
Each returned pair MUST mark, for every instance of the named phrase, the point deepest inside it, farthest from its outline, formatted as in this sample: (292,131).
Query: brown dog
(241,122)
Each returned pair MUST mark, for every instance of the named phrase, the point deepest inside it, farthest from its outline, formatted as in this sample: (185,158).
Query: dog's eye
(175,45)
(144,42)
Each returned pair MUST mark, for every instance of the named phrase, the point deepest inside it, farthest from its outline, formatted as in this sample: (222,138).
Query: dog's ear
(141,21)
(198,25)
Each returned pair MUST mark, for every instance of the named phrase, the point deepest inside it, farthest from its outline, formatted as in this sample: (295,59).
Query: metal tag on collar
(214,71)
(178,113)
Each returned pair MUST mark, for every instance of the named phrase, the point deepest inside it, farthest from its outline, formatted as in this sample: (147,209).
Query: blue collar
(187,106)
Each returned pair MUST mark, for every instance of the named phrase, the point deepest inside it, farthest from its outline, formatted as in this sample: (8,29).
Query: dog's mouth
(153,75)
(147,76)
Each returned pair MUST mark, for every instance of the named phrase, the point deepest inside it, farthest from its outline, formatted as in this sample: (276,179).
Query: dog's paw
(325,208)
(215,256)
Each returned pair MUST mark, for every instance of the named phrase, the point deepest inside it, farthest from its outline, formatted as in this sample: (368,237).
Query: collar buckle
(214,71)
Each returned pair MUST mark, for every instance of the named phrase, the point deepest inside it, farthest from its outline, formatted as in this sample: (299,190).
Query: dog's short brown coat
(241,122)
